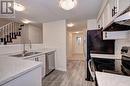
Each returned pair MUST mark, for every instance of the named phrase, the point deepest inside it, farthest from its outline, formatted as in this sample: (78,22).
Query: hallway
(75,76)
(76,57)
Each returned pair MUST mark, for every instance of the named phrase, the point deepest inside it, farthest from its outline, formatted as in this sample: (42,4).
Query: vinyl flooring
(75,76)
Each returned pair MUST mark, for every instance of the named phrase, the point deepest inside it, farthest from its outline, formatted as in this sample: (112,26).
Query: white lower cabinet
(32,78)
(40,58)
(112,35)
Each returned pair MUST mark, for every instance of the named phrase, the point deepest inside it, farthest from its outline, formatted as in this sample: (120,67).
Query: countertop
(104,56)
(107,79)
(42,51)
(13,67)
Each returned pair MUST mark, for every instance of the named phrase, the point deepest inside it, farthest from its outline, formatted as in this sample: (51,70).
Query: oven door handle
(90,63)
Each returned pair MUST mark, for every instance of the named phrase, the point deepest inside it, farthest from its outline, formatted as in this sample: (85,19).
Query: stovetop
(117,68)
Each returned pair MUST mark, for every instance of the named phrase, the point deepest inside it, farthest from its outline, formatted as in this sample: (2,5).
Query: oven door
(126,65)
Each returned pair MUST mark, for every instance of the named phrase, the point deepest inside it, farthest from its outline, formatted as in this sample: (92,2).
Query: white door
(77,43)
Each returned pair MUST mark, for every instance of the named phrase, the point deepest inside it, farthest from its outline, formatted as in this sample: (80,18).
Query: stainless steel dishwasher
(50,62)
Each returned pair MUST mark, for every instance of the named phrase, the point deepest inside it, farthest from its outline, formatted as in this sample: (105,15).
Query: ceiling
(78,26)
(39,11)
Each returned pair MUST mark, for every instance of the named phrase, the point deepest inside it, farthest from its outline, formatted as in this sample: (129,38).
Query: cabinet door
(100,22)
(103,19)
(113,7)
(41,58)
(123,4)
(107,14)
(32,78)
(111,3)
(115,35)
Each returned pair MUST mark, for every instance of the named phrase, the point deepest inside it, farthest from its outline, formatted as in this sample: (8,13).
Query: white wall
(54,36)
(69,44)
(35,34)
(77,48)
(24,36)
(4,21)
(92,24)
(6,49)
(30,33)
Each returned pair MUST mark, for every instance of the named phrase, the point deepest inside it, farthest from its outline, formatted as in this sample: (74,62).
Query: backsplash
(119,44)
(5,49)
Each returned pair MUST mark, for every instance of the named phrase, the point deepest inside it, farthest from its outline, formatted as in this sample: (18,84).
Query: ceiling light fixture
(26,21)
(18,7)
(76,32)
(70,25)
(68,4)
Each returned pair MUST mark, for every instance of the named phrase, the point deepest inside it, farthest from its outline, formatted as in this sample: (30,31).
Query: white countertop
(107,79)
(42,51)
(46,50)
(13,67)
(104,56)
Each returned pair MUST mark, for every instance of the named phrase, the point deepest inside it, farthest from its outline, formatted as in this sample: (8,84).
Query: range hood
(121,23)
(123,19)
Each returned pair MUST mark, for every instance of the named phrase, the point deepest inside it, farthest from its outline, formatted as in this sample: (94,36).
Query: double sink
(25,54)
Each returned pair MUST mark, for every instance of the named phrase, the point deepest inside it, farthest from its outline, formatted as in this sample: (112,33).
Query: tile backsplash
(5,49)
(119,44)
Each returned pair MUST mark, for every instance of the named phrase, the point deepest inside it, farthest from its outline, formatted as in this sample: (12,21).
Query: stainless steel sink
(26,54)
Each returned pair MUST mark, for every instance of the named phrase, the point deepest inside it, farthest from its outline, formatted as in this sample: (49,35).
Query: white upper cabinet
(113,7)
(106,15)
(110,10)
(100,22)
(123,4)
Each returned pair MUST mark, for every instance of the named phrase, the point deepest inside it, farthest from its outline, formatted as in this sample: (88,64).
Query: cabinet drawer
(112,35)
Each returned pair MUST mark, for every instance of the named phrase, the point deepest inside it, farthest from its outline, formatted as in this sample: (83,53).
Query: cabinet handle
(115,10)
(112,12)
(105,34)
(35,59)
(98,26)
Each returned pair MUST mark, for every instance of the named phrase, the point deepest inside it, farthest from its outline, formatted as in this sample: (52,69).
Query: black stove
(115,66)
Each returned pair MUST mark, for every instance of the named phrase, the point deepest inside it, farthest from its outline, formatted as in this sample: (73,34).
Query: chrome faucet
(30,44)
(24,50)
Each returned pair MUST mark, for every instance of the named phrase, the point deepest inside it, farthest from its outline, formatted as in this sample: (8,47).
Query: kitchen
(34,54)
(108,47)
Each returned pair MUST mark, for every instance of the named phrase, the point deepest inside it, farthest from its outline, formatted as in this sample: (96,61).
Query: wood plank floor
(75,76)
(76,57)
